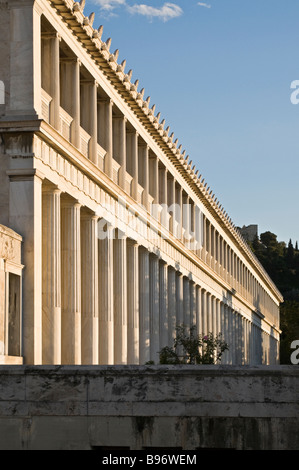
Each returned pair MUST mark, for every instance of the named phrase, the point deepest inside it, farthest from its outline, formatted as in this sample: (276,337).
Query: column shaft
(120,299)
(172,321)
(71,283)
(154,309)
(90,285)
(186,296)
(133,301)
(106,317)
(144,299)
(163,288)
(51,276)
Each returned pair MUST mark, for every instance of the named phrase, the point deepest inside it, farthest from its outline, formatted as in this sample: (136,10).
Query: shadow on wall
(245,346)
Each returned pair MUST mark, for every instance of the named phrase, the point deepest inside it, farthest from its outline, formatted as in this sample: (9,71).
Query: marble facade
(122,238)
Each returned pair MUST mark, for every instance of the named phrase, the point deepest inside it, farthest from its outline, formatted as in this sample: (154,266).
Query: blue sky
(220,73)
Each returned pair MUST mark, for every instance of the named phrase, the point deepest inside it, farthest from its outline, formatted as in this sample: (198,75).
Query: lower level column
(89,273)
(71,283)
(144,303)
(51,275)
(133,301)
(120,299)
(106,320)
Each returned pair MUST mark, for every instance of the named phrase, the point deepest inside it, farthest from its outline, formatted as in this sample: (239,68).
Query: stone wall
(185,407)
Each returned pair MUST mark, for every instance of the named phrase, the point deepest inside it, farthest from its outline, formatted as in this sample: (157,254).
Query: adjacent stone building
(10,297)
(122,238)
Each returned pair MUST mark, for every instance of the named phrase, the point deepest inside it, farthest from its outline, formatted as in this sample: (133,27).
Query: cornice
(72,13)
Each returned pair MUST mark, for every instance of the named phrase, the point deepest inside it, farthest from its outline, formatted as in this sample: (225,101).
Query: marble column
(193,305)
(179,299)
(71,282)
(204,312)
(171,201)
(119,147)
(163,289)
(51,275)
(51,73)
(172,322)
(70,94)
(93,126)
(133,301)
(154,309)
(144,302)
(132,161)
(120,298)
(144,173)
(163,195)
(199,310)
(25,217)
(186,301)
(90,286)
(106,315)
(105,133)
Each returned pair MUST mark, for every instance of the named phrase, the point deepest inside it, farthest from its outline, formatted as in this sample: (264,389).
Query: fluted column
(135,165)
(171,201)
(106,317)
(105,132)
(93,143)
(71,282)
(186,301)
(70,94)
(120,299)
(163,288)
(90,298)
(154,309)
(179,299)
(144,299)
(172,322)
(204,312)
(133,301)
(51,276)
(132,161)
(143,159)
(199,310)
(51,74)
(163,190)
(193,315)
(119,147)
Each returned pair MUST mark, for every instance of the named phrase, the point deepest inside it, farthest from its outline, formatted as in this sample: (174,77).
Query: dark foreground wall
(148,407)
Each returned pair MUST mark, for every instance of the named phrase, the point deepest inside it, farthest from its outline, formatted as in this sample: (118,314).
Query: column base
(11,360)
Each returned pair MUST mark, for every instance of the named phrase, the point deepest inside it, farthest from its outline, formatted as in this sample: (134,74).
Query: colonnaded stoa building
(121,238)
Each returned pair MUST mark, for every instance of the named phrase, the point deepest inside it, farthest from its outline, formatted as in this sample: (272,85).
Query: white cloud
(165,13)
(109,5)
(203,5)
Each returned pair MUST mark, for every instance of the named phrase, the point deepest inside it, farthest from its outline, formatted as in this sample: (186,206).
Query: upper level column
(105,133)
(119,148)
(70,95)
(51,74)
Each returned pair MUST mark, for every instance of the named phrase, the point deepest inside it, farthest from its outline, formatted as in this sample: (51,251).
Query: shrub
(191,348)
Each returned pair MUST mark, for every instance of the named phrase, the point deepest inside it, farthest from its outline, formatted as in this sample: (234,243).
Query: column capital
(51,35)
(24,174)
